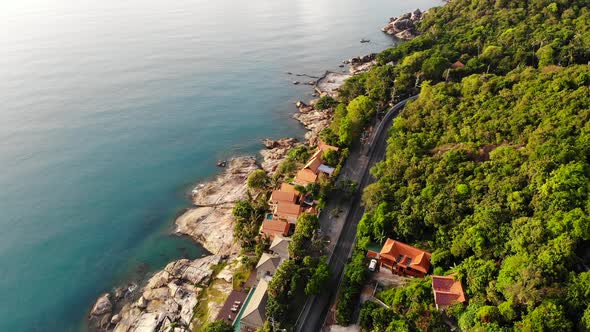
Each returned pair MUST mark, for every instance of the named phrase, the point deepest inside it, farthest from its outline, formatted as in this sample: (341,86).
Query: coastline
(170,295)
(156,303)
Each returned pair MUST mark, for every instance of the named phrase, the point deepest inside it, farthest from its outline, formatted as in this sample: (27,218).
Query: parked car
(373,265)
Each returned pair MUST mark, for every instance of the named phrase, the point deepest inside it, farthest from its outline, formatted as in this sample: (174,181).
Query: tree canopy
(489,169)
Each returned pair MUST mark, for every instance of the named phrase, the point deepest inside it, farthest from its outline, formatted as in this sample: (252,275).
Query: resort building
(305,177)
(287,187)
(404,259)
(287,211)
(267,265)
(457,65)
(254,315)
(325,147)
(272,227)
(314,168)
(278,196)
(447,291)
(280,246)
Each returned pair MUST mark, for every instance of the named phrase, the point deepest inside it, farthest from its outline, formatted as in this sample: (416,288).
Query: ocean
(111,111)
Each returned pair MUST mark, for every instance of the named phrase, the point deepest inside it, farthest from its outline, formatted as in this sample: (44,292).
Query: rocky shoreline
(169,296)
(404,27)
(168,299)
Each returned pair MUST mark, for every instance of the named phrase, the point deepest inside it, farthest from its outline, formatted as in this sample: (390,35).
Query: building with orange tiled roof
(305,177)
(404,259)
(287,211)
(457,65)
(278,196)
(272,227)
(447,291)
(286,187)
(325,147)
(315,161)
(314,167)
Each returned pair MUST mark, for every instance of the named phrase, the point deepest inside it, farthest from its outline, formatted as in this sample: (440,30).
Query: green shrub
(325,102)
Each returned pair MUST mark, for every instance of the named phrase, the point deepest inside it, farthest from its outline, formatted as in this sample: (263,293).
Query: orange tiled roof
(325,147)
(283,196)
(306,176)
(286,210)
(457,65)
(314,162)
(273,227)
(420,259)
(447,290)
(286,187)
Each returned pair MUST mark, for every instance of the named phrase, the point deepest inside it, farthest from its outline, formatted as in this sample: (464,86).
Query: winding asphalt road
(315,309)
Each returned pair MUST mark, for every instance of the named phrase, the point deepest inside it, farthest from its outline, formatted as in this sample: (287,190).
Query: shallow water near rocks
(112,110)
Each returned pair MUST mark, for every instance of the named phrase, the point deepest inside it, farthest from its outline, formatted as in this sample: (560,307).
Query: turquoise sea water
(111,110)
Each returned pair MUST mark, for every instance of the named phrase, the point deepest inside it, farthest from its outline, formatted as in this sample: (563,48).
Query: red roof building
(325,147)
(272,227)
(289,188)
(278,196)
(457,65)
(287,211)
(305,177)
(447,291)
(404,259)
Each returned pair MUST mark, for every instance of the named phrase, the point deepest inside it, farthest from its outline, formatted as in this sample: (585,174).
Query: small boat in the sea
(365,40)
(221,163)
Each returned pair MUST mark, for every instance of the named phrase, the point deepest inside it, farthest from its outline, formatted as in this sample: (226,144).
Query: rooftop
(325,147)
(274,260)
(280,246)
(306,176)
(315,161)
(274,226)
(286,187)
(447,290)
(287,209)
(254,313)
(457,65)
(283,196)
(406,255)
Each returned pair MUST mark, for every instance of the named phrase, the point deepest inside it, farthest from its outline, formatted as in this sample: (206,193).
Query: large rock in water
(102,306)
(403,24)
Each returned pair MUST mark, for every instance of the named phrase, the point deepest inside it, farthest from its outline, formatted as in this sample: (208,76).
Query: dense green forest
(489,169)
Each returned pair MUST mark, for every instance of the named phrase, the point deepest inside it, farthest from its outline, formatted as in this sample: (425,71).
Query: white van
(373,265)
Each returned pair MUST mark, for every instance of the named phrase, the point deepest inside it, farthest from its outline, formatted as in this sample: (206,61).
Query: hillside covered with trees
(489,169)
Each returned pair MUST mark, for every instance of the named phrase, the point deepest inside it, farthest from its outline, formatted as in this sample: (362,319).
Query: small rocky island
(404,27)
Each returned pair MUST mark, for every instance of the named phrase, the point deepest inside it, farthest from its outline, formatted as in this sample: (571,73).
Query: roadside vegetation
(488,169)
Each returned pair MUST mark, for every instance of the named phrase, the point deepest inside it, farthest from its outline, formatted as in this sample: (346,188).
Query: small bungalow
(287,187)
(272,227)
(287,211)
(254,314)
(282,196)
(457,65)
(447,291)
(314,167)
(404,259)
(267,265)
(280,246)
(325,147)
(305,176)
